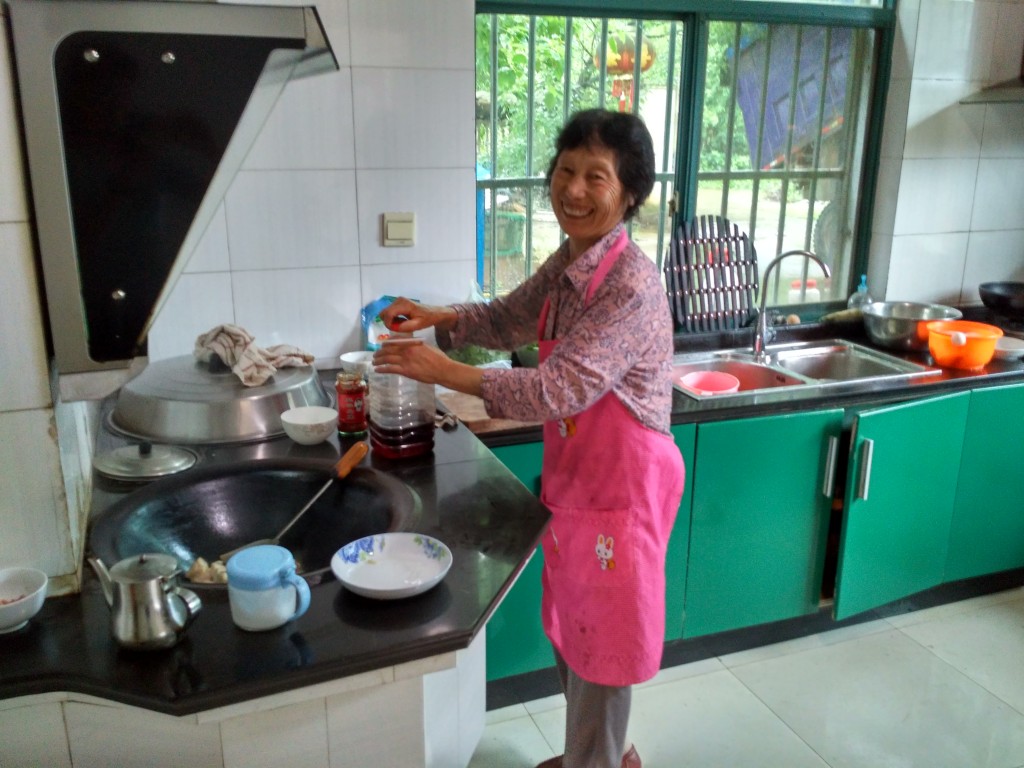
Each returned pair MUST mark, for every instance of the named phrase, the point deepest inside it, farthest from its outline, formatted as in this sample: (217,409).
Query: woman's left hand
(412,359)
(428,364)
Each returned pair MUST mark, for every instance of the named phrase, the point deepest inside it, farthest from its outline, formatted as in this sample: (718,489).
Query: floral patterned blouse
(620,342)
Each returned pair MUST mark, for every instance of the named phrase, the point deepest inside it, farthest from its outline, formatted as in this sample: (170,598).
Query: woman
(612,476)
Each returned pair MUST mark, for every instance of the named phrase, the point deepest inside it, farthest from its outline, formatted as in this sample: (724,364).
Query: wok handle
(351,459)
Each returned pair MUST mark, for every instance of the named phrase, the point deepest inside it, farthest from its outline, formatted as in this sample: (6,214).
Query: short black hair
(624,134)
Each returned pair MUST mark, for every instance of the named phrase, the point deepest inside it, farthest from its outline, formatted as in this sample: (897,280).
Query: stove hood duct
(137,116)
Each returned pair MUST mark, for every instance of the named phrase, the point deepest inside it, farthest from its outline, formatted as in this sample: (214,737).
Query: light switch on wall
(398,229)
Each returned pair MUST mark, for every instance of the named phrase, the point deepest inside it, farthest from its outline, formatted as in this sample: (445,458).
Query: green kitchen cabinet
(987,531)
(898,504)
(685,436)
(762,491)
(516,642)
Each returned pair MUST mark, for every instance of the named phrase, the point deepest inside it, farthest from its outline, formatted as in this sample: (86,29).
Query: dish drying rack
(711,276)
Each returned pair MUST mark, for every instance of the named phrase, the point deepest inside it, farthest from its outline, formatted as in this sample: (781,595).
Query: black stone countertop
(471,502)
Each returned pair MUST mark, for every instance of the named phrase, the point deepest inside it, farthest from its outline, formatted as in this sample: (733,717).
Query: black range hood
(137,116)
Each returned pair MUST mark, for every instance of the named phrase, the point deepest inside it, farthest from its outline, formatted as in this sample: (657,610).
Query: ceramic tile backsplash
(23,363)
(897,106)
(927,268)
(411,33)
(291,735)
(315,309)
(955,40)
(907,14)
(1006,51)
(199,302)
(445,215)
(936,195)
(432,283)
(310,126)
(32,506)
(13,196)
(938,125)
(413,118)
(999,196)
(211,254)
(1004,130)
(993,256)
(293,219)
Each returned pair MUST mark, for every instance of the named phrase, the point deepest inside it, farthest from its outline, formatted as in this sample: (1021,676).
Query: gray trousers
(595,721)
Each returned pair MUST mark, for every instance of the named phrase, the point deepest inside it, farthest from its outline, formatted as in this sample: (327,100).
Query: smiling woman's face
(586,195)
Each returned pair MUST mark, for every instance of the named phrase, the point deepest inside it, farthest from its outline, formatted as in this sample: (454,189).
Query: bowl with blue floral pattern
(390,566)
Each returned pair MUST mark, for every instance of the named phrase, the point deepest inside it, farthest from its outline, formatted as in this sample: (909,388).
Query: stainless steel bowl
(903,325)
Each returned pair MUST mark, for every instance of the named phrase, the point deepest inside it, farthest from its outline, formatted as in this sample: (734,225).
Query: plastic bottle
(860,297)
(401,421)
(812,293)
(794,292)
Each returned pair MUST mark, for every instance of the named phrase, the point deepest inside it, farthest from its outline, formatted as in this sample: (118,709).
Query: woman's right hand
(405,316)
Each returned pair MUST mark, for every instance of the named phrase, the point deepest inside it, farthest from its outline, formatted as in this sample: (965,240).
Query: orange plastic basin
(962,343)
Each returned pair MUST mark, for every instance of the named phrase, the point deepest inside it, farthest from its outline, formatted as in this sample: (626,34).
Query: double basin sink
(798,369)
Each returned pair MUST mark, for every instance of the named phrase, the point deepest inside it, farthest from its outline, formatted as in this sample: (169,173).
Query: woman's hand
(406,316)
(415,360)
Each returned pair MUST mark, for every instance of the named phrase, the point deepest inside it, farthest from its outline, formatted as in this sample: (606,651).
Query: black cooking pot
(1005,298)
(209,510)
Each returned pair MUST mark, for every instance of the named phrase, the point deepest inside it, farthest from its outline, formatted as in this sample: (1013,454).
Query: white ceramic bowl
(357,362)
(1009,348)
(310,424)
(390,566)
(22,592)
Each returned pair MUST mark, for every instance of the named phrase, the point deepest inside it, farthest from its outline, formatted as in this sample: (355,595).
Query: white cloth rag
(237,349)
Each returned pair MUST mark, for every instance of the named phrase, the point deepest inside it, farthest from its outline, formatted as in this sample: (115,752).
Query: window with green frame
(764,113)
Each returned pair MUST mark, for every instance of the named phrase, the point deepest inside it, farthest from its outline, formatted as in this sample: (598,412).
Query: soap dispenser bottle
(859,298)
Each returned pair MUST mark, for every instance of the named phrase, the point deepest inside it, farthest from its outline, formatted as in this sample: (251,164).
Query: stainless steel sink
(796,369)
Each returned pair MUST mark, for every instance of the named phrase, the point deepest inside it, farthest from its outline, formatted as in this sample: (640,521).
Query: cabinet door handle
(866,449)
(829,483)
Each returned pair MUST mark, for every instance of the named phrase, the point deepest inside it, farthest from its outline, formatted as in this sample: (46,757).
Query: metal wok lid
(181,400)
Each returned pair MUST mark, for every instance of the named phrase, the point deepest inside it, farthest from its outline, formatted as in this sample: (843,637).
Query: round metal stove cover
(181,400)
(143,462)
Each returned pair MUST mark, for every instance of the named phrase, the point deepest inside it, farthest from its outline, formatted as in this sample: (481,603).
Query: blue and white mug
(264,590)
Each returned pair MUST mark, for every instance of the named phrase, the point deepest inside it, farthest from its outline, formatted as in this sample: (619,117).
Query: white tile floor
(937,688)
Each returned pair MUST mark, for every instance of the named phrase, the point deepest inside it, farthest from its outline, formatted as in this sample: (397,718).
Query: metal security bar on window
(532,73)
(783,166)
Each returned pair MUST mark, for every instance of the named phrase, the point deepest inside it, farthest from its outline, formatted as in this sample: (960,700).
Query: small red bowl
(710,382)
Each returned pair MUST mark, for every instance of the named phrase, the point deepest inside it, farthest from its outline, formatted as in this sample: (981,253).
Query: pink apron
(613,487)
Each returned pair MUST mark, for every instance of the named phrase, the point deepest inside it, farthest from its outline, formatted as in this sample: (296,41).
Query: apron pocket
(595,548)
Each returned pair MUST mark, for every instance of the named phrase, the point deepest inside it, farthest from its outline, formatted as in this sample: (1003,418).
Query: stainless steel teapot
(148,608)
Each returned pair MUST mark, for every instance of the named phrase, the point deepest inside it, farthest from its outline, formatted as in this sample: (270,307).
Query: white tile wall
(23,378)
(34,736)
(955,40)
(999,195)
(938,125)
(292,219)
(936,195)
(928,267)
(412,34)
(36,529)
(258,740)
(316,309)
(414,118)
(956,214)
(148,738)
(12,178)
(443,233)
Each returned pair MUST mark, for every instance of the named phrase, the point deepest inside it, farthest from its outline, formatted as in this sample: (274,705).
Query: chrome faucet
(761,329)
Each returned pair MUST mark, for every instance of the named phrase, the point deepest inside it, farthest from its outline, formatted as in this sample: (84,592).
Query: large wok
(209,510)
(1005,298)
